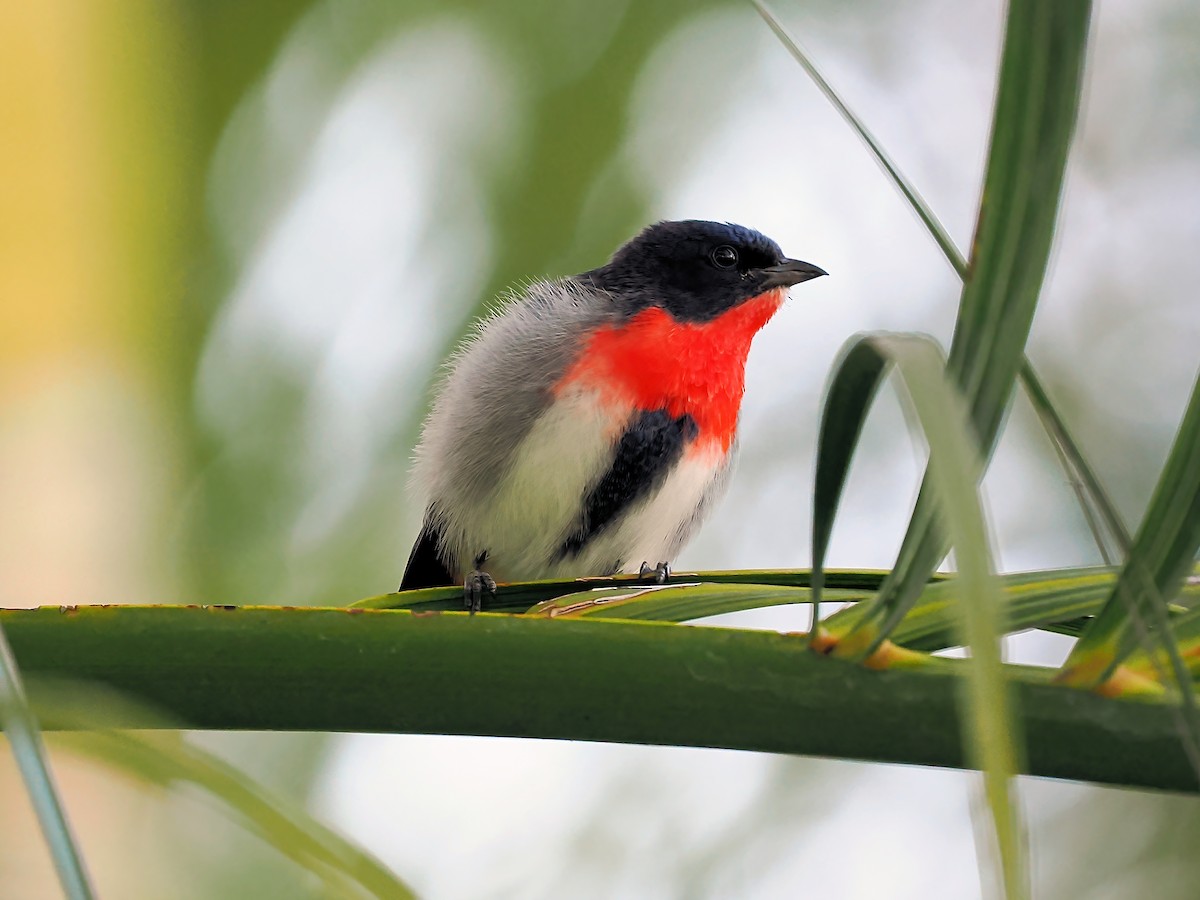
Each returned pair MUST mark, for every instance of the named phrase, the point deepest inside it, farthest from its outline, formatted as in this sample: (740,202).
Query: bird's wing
(424,568)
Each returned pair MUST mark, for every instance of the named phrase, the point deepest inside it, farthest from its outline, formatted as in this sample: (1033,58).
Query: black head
(696,270)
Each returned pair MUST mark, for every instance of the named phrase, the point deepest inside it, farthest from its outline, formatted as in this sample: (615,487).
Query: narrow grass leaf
(1162,558)
(1035,114)
(1056,599)
(1089,490)
(955,470)
(848,397)
(19,724)
(523,596)
(1083,478)
(166,760)
(923,210)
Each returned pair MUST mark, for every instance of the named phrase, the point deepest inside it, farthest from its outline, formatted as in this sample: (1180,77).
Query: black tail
(424,568)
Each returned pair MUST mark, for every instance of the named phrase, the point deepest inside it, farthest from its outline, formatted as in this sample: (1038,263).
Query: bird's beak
(791,271)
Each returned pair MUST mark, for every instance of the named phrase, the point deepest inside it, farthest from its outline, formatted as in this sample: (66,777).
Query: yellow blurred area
(88,242)
(91,102)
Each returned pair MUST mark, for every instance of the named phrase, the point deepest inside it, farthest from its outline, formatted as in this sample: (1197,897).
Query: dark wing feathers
(425,568)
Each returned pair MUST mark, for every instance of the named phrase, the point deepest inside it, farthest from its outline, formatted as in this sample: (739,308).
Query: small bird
(588,425)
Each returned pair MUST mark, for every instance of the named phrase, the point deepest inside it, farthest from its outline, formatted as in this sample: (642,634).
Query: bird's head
(696,270)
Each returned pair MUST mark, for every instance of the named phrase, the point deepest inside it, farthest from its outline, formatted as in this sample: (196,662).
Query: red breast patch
(653,361)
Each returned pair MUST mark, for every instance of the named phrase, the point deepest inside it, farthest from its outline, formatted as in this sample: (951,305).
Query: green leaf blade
(1162,557)
(954,473)
(167,759)
(923,210)
(309,669)
(21,728)
(1034,120)
(1090,491)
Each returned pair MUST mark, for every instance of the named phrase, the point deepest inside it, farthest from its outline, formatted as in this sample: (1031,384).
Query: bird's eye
(724,257)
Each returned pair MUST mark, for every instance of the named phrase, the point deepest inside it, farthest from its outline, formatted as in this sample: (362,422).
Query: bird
(588,425)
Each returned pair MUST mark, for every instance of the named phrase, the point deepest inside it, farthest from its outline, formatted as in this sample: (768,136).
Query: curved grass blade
(1089,491)
(1034,120)
(164,759)
(854,389)
(1163,556)
(82,714)
(955,470)
(522,596)
(19,724)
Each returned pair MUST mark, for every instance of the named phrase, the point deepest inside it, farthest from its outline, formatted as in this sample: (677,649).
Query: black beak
(789,272)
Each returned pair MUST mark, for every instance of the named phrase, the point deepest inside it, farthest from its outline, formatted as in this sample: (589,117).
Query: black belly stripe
(647,450)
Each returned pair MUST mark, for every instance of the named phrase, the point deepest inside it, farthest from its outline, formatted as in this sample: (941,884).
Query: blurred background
(236,240)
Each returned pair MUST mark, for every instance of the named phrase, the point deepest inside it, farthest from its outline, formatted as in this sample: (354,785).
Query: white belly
(538,504)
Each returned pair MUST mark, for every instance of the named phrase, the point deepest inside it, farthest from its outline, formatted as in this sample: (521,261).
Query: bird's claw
(659,573)
(477,584)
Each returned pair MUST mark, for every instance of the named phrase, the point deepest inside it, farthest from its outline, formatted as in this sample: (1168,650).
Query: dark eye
(724,257)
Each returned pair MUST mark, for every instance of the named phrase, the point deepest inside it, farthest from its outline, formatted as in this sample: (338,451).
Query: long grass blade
(1162,558)
(1089,490)
(23,734)
(165,760)
(1060,600)
(923,210)
(849,393)
(1035,114)
(1083,478)
(520,597)
(954,474)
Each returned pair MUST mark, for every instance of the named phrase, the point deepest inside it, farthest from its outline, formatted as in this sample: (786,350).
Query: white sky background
(350,179)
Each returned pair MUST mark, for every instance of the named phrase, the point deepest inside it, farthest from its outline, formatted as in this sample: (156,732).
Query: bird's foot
(659,573)
(477,584)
